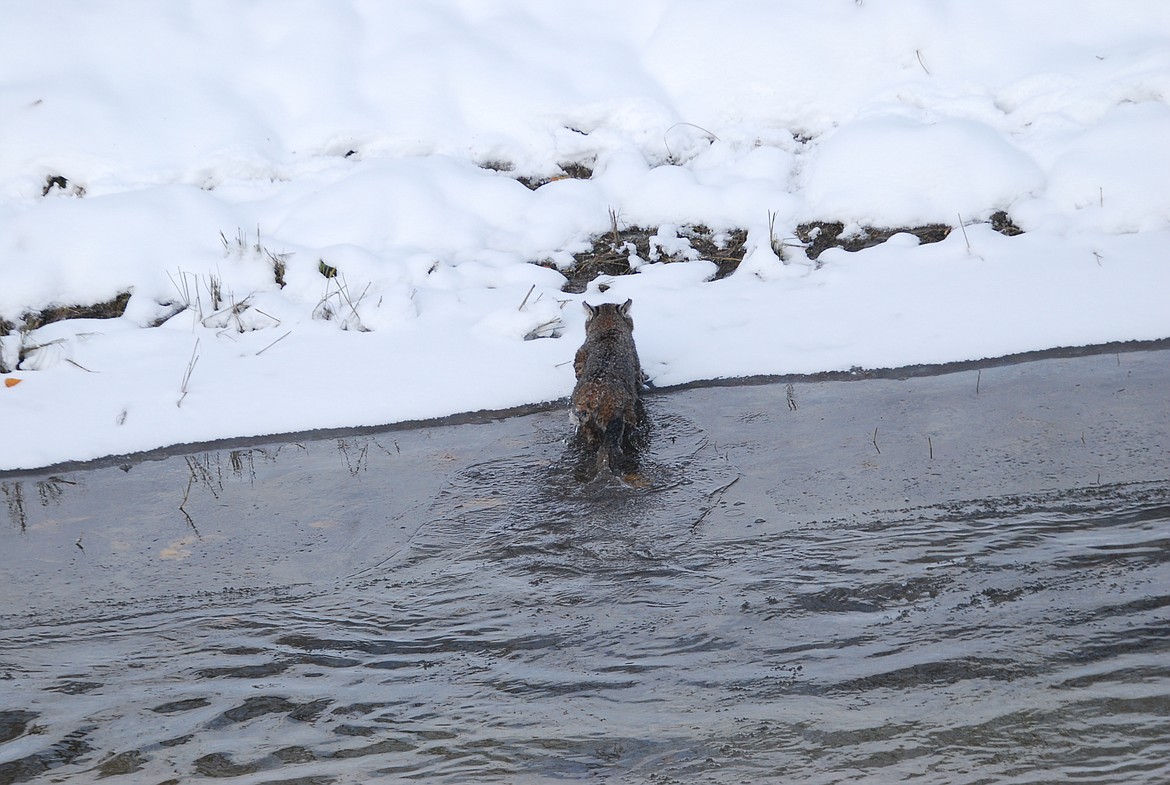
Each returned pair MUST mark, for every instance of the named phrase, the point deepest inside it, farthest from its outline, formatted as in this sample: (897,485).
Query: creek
(960,578)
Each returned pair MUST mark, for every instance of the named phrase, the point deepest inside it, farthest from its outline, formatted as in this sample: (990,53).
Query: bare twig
(215,290)
(187,374)
(775,246)
(879,449)
(263,313)
(918,53)
(714,496)
(79,365)
(669,153)
(184,290)
(187,493)
(531,289)
(964,230)
(274,343)
(536,331)
(183,507)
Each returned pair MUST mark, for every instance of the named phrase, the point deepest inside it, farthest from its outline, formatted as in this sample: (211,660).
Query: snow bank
(318,215)
(895,171)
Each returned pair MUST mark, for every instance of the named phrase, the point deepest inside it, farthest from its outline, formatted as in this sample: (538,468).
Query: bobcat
(605,401)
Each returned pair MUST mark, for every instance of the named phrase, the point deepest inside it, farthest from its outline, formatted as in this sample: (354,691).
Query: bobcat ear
(624,308)
(590,311)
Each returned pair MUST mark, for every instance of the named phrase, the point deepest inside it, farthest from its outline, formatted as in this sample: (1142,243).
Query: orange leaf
(12,382)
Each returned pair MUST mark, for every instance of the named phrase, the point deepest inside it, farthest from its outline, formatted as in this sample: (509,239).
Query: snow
(903,172)
(201,143)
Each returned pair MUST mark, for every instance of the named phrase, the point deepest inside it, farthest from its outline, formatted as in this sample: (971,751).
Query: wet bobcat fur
(609,377)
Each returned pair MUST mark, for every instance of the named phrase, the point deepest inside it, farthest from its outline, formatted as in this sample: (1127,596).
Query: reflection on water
(454,604)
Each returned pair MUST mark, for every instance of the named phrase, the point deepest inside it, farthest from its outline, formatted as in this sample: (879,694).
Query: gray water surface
(956,579)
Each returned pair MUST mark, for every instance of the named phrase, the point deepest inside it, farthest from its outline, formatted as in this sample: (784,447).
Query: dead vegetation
(620,250)
(623,248)
(55,183)
(568,170)
(1003,223)
(33,320)
(820,236)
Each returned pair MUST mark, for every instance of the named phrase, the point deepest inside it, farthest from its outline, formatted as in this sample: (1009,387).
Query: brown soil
(1003,223)
(569,171)
(819,236)
(111,309)
(610,252)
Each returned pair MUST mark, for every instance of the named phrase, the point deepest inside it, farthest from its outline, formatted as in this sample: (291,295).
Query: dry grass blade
(187,374)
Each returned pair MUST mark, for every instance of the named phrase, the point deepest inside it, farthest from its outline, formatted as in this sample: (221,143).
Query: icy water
(956,579)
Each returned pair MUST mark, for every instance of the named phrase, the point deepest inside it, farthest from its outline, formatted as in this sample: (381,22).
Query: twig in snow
(614,231)
(187,374)
(964,230)
(270,316)
(274,343)
(531,289)
(536,331)
(879,449)
(183,287)
(772,241)
(669,153)
(79,365)
(918,53)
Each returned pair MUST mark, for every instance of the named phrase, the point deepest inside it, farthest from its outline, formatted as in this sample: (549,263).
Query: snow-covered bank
(308,209)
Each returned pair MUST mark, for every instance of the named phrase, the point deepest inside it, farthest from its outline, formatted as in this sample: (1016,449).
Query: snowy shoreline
(905,373)
(321,219)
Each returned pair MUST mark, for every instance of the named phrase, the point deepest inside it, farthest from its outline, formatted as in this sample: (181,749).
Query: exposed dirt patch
(725,249)
(819,236)
(1003,223)
(569,171)
(56,182)
(111,309)
(611,252)
(32,320)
